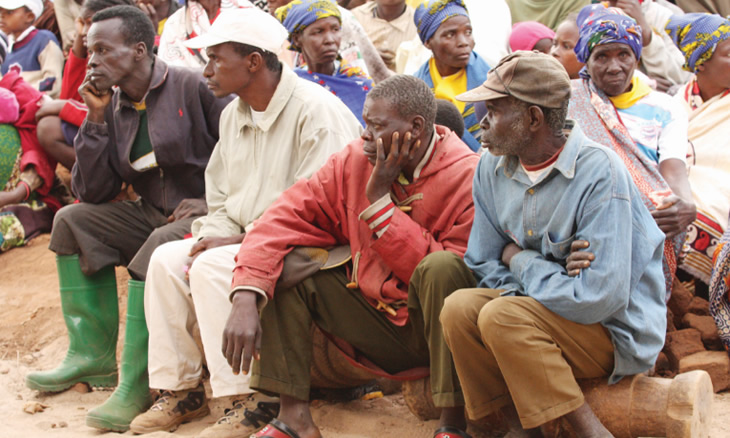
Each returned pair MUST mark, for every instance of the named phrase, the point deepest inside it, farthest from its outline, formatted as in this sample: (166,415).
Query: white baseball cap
(249,25)
(35,6)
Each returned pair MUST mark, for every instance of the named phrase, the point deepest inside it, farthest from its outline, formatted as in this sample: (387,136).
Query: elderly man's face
(110,59)
(381,121)
(611,67)
(504,128)
(227,71)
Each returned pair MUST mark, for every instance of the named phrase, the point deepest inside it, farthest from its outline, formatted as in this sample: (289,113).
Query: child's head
(566,37)
(18,15)
(531,35)
(447,114)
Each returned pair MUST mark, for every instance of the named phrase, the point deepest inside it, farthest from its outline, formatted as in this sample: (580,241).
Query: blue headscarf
(697,35)
(431,13)
(600,25)
(299,14)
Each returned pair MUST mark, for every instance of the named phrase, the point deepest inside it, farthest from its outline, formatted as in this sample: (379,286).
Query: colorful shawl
(350,84)
(599,25)
(598,118)
(719,287)
(430,14)
(299,14)
(697,35)
(476,74)
(709,126)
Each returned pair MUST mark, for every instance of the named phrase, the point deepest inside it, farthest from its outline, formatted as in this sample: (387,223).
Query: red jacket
(33,153)
(323,212)
(74,111)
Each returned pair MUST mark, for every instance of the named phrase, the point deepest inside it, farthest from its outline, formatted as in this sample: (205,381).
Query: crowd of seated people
(264,166)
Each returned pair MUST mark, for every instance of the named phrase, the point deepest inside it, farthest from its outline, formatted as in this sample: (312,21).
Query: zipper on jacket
(164,193)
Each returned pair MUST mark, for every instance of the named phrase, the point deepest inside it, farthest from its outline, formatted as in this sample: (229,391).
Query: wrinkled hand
(95,100)
(149,11)
(188,208)
(674,214)
(509,251)
(49,107)
(633,10)
(388,168)
(242,334)
(579,259)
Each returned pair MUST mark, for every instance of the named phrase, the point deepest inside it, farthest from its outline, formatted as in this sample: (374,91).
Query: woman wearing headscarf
(704,39)
(314,28)
(444,28)
(188,22)
(618,109)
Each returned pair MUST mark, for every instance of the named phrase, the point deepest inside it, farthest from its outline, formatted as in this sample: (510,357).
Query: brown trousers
(515,349)
(114,233)
(325,300)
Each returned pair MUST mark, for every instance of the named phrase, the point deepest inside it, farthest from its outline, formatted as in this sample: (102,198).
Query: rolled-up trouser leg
(515,348)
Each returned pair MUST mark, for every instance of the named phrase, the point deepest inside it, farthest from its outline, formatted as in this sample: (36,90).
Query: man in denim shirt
(522,339)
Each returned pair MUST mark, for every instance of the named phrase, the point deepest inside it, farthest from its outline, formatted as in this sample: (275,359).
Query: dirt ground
(33,336)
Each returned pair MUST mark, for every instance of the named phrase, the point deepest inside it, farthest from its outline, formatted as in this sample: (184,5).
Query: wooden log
(637,406)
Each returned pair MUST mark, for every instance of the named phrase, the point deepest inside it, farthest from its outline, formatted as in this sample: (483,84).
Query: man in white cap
(34,52)
(278,130)
(523,337)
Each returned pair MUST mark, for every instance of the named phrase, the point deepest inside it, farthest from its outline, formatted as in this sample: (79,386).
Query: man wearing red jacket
(400,197)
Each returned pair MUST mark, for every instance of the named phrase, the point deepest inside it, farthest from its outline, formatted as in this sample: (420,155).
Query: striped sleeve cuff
(378,215)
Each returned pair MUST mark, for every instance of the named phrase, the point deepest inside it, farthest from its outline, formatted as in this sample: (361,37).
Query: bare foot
(295,413)
(586,424)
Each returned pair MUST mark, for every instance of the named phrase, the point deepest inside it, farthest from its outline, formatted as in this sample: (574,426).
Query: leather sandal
(275,429)
(450,432)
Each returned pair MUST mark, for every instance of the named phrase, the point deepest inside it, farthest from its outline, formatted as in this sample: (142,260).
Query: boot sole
(105,381)
(172,425)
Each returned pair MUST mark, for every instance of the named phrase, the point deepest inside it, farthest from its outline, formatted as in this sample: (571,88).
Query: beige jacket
(254,162)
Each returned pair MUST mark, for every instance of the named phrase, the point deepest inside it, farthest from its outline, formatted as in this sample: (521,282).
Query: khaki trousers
(324,299)
(174,307)
(514,348)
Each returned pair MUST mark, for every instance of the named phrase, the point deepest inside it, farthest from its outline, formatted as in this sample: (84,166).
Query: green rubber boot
(132,396)
(89,305)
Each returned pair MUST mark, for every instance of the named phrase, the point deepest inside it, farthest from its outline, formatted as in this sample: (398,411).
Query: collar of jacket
(159,75)
(276,105)
(566,161)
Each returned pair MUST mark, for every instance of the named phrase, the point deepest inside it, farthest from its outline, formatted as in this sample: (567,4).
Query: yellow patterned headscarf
(697,35)
(299,14)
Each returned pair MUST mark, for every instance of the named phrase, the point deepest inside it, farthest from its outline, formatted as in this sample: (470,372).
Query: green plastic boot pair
(90,310)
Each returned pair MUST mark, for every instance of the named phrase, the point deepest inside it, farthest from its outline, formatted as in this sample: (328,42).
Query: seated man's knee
(440,263)
(459,308)
(497,316)
(67,215)
(161,235)
(203,264)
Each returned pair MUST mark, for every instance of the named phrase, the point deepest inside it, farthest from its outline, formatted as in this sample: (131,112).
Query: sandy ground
(33,336)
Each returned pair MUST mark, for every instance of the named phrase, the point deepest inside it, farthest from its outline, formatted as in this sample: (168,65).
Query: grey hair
(554,117)
(409,96)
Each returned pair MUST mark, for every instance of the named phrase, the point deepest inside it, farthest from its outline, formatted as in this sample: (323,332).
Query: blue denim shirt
(588,195)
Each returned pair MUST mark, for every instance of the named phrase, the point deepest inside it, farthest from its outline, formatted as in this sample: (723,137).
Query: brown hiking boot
(244,418)
(171,410)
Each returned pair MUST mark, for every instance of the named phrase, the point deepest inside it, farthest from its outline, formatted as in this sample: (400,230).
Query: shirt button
(531,191)
(529,232)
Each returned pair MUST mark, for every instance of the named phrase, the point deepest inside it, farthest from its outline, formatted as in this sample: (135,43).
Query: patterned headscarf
(697,35)
(599,25)
(299,14)
(431,13)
